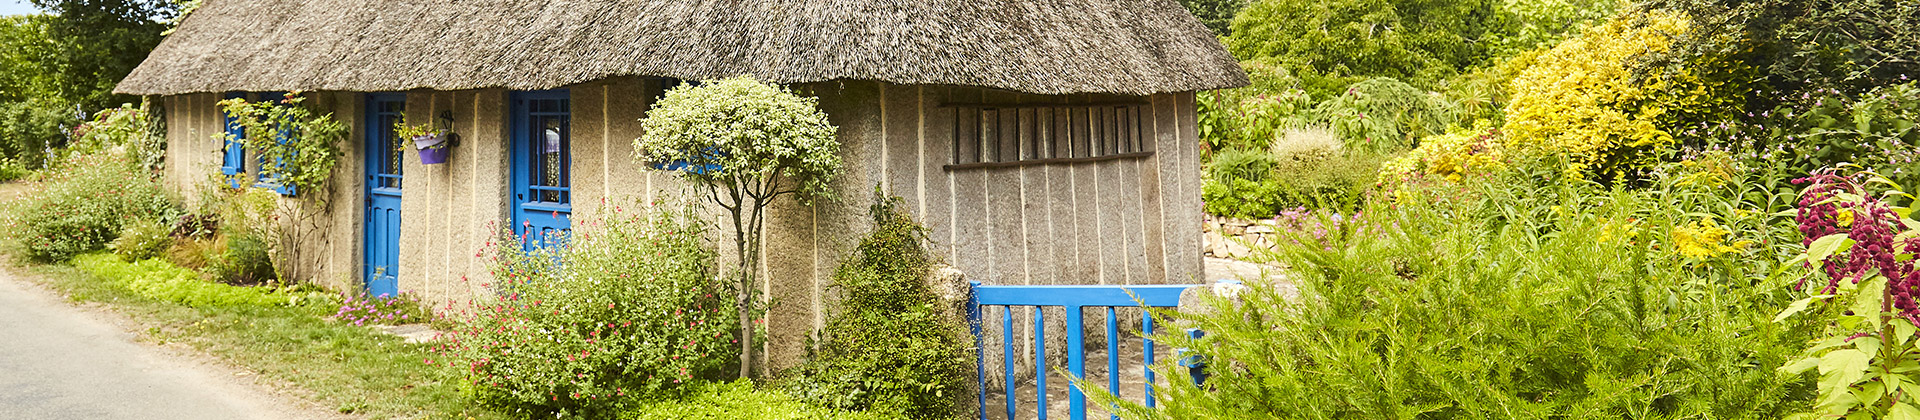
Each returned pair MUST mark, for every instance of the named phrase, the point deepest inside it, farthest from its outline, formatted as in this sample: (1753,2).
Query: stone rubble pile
(1221,234)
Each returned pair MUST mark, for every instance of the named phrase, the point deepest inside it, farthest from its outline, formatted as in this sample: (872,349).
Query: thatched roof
(1036,46)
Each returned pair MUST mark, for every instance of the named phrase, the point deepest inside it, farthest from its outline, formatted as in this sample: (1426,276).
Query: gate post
(979,353)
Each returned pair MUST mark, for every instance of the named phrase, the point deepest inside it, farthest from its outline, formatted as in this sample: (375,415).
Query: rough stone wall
(1126,221)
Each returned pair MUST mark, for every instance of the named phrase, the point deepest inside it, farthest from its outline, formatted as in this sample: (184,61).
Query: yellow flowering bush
(1449,156)
(1702,240)
(1581,104)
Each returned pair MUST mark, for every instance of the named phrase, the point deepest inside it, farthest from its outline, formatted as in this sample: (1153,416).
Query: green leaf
(1868,344)
(1902,332)
(1840,369)
(1870,393)
(1827,245)
(1866,299)
(1798,306)
(1903,411)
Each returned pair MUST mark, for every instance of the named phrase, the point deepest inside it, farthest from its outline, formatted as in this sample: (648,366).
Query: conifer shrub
(892,348)
(627,309)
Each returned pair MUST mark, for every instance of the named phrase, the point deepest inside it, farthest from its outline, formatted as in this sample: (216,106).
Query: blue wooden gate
(1073,299)
(384,153)
(542,157)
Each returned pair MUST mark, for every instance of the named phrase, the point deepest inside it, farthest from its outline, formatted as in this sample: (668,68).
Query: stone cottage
(1043,142)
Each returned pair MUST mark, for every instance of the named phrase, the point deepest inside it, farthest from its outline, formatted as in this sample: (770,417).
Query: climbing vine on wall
(296,145)
(297,148)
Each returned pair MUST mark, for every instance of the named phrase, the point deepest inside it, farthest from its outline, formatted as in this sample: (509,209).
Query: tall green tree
(1329,44)
(99,42)
(31,114)
(1849,45)
(1216,14)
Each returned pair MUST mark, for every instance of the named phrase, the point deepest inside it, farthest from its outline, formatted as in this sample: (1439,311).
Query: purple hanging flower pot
(433,147)
(433,155)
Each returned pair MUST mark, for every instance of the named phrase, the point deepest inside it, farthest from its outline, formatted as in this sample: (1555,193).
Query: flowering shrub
(1570,104)
(1264,118)
(629,309)
(85,206)
(359,309)
(1865,247)
(1245,118)
(1702,240)
(1448,156)
(128,130)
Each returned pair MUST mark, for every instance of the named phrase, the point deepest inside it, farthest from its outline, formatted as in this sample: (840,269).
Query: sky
(16,7)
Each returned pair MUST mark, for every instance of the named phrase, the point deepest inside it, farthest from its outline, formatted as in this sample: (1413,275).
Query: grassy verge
(355,369)
(351,369)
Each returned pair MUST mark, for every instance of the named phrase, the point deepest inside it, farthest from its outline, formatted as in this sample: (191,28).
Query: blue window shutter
(233,160)
(281,136)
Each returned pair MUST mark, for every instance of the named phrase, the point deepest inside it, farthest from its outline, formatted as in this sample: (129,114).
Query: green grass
(738,400)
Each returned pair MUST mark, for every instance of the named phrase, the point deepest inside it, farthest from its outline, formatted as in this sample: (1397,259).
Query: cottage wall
(330,241)
(1121,221)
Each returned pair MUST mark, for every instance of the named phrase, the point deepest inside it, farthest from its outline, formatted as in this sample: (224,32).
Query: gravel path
(65,362)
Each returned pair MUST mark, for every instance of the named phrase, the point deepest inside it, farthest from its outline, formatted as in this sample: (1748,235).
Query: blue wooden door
(541,196)
(384,151)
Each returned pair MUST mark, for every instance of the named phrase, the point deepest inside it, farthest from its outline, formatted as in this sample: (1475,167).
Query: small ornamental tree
(744,143)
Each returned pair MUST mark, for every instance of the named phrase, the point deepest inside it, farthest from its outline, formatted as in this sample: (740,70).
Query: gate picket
(1072,299)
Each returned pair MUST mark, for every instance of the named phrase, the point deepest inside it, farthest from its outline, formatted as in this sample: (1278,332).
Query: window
(233,160)
(386,152)
(281,135)
(987,135)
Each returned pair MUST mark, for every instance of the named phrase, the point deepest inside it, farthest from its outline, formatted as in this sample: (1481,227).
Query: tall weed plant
(628,309)
(1517,300)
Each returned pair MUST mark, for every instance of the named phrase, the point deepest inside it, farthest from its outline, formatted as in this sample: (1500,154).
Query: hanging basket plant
(432,143)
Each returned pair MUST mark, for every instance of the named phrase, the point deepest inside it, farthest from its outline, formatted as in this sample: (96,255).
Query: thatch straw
(1036,46)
